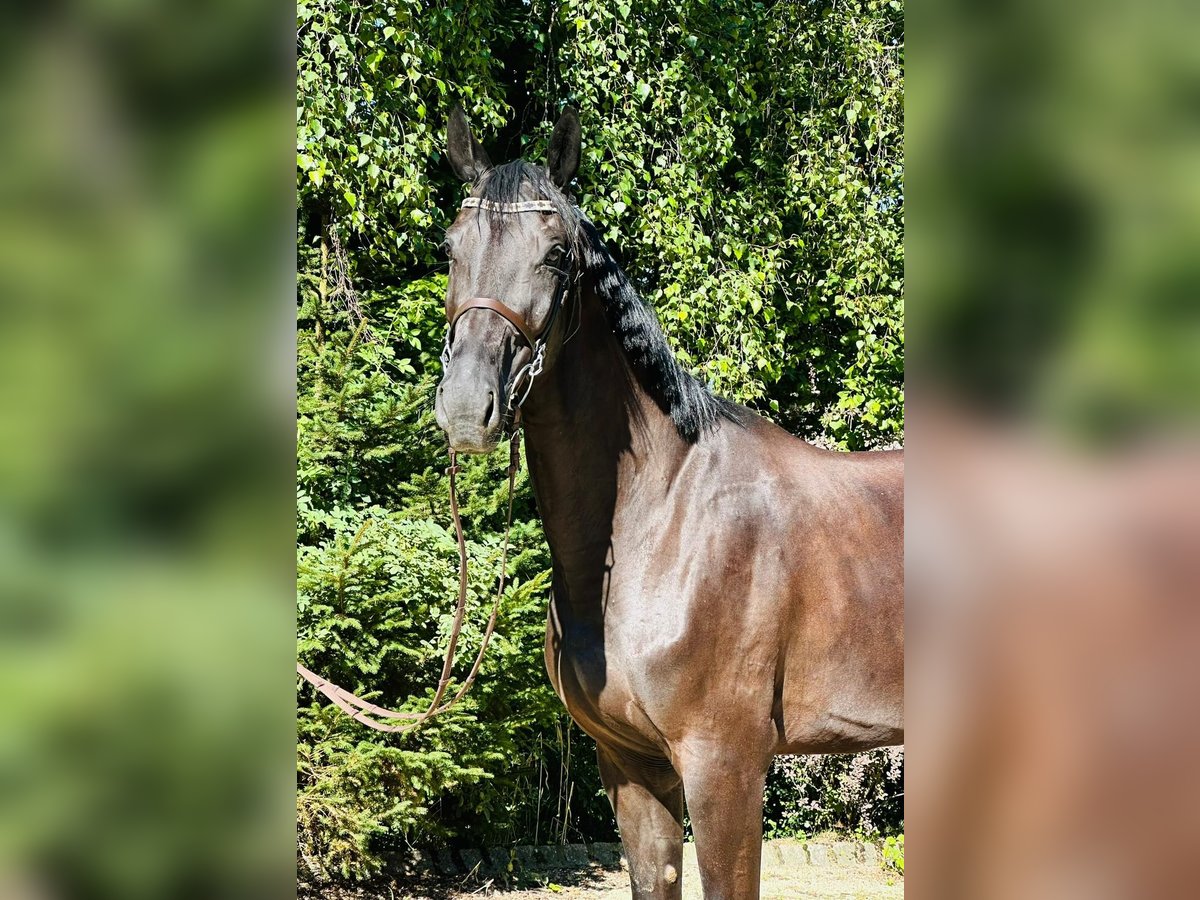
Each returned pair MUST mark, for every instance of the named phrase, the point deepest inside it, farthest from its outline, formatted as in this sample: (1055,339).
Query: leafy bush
(744,159)
(893,853)
(376,578)
(863,793)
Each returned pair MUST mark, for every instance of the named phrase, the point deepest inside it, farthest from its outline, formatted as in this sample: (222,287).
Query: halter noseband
(536,343)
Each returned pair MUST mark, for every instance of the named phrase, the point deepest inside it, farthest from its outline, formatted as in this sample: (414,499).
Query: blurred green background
(1051,482)
(146,451)
(1056,213)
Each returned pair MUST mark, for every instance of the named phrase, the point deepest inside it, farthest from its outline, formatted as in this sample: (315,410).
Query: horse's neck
(591,433)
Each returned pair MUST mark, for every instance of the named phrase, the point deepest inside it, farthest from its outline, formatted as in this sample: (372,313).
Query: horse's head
(511,254)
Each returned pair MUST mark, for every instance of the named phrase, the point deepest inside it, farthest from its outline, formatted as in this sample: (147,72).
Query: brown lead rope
(362,710)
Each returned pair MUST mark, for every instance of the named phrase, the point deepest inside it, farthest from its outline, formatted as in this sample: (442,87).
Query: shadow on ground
(791,870)
(579,881)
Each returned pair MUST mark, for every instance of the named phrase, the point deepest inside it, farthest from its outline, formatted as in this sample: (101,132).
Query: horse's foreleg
(647,797)
(724,800)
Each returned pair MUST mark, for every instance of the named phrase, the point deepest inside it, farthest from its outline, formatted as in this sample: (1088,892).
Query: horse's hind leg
(725,800)
(647,797)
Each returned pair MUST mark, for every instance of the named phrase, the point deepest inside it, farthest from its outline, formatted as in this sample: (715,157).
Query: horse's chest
(614,677)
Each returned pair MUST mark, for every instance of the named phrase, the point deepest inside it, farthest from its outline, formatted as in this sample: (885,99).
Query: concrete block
(794,853)
(576,855)
(606,854)
(446,863)
(525,858)
(550,857)
(845,852)
(417,863)
(472,861)
(500,858)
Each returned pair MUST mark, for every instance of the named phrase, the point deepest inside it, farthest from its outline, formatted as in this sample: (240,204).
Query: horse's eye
(444,247)
(555,258)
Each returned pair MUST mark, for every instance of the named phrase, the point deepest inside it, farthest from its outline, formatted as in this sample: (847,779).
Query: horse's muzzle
(471,411)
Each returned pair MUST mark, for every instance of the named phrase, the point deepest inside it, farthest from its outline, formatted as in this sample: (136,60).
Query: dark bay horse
(722,591)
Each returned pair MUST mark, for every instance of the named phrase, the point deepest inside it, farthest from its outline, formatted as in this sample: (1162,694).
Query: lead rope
(363,710)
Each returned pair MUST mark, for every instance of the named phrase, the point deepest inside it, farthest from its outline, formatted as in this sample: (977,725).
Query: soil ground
(781,880)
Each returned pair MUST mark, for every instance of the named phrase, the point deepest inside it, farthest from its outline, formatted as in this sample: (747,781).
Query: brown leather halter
(513,318)
(362,710)
(535,341)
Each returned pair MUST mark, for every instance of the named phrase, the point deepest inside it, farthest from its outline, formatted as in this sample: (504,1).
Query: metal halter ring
(530,371)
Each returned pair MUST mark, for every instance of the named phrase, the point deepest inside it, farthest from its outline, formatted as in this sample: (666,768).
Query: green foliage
(376,579)
(809,794)
(748,161)
(744,161)
(374,81)
(893,853)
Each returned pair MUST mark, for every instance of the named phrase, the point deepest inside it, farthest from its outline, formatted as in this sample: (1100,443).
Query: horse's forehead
(512,233)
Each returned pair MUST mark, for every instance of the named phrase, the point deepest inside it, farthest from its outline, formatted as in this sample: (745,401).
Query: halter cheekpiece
(535,341)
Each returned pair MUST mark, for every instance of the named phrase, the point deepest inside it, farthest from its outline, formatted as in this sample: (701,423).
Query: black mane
(691,406)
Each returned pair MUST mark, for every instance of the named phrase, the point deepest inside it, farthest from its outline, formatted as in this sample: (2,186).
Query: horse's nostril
(491,407)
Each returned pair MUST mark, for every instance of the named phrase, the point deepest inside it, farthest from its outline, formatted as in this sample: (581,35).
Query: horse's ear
(563,158)
(467,155)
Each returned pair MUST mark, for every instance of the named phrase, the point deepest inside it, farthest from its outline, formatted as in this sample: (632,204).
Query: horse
(722,591)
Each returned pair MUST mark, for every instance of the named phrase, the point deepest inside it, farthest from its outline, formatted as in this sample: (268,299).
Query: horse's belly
(840,711)
(839,733)
(841,688)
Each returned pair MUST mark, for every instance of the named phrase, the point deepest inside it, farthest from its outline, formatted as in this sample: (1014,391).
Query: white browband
(519,207)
